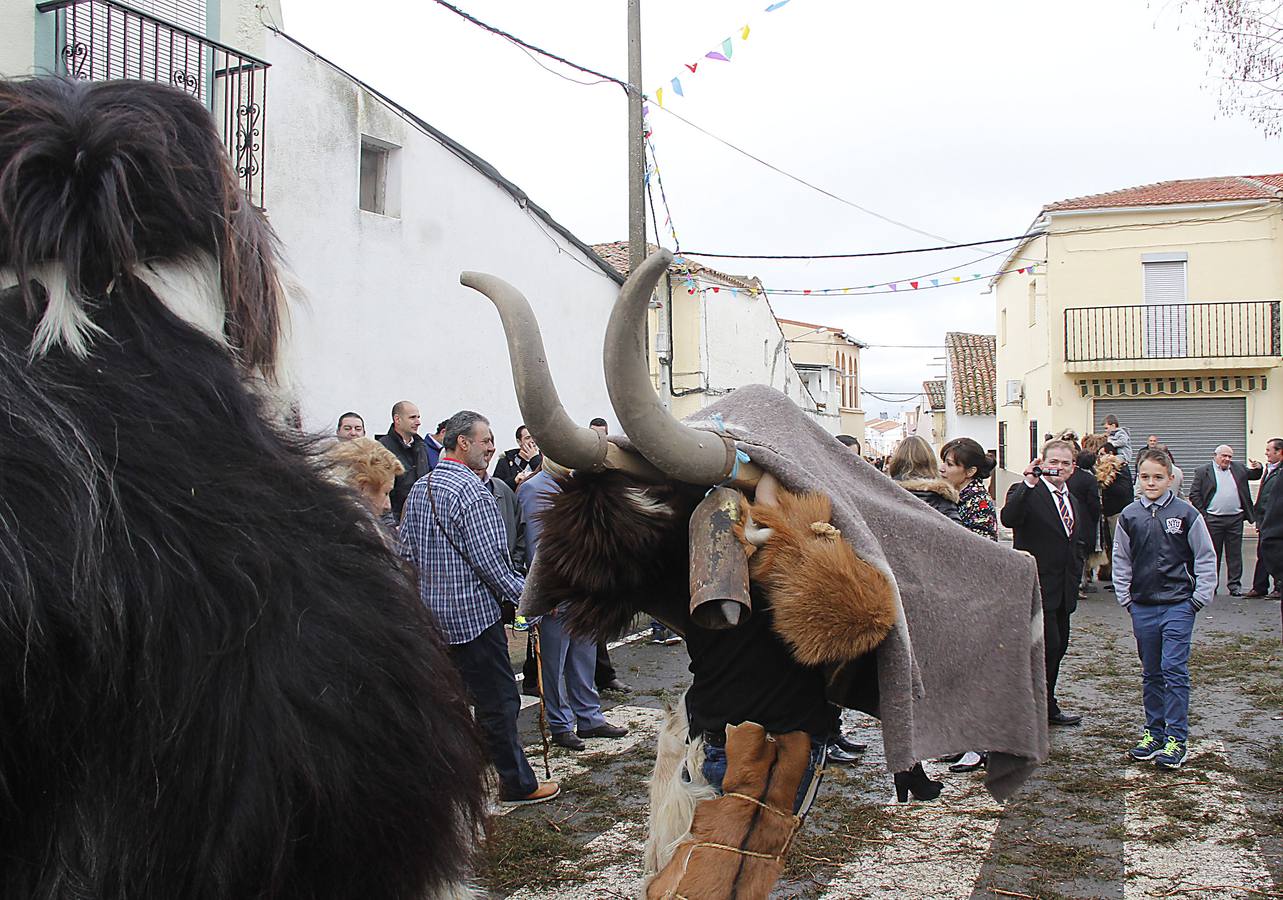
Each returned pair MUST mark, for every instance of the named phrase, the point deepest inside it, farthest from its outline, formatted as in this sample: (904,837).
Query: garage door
(1191,427)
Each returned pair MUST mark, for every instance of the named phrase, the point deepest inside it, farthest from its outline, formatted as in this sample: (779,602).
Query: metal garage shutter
(1191,427)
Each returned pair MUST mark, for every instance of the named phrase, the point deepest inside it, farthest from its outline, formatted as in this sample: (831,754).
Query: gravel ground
(1090,823)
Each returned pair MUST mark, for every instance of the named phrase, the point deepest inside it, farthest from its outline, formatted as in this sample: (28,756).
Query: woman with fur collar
(913,466)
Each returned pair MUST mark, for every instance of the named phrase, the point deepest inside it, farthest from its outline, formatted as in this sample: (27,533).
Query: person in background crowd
(605,677)
(1164,572)
(511,513)
(1083,485)
(1220,494)
(851,443)
(368,467)
(1178,476)
(1269,494)
(1118,436)
(1049,523)
(1151,443)
(913,465)
(1115,479)
(1270,529)
(572,703)
(351,425)
(454,536)
(965,465)
(519,463)
(404,442)
(433,443)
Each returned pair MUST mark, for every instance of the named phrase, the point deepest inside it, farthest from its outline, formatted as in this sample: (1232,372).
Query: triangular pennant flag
(774,6)
(727,47)
(659,96)
(957,277)
(735,292)
(913,284)
(692,67)
(1020,271)
(717,290)
(807,291)
(895,286)
(716,54)
(744,34)
(677,88)
(974,275)
(935,282)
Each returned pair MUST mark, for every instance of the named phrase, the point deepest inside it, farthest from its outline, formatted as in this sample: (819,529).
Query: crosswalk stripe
(1214,854)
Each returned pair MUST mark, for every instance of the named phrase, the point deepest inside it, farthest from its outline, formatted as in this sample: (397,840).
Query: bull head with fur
(215,680)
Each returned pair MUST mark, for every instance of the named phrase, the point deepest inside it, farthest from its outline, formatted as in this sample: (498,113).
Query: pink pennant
(913,284)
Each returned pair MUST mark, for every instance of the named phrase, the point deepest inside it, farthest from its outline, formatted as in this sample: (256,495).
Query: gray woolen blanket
(963,668)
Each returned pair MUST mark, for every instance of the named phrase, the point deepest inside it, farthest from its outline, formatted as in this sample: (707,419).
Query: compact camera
(1039,471)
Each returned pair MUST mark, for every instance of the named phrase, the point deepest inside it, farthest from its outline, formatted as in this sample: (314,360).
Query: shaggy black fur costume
(215,680)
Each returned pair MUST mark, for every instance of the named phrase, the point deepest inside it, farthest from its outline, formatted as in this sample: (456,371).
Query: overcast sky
(961,120)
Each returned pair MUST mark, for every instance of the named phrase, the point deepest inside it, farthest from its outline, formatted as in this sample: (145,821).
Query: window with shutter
(1166,332)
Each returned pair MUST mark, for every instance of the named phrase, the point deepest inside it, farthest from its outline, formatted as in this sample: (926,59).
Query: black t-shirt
(748,674)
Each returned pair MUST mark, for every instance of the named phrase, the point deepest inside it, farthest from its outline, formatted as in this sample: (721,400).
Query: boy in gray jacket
(1164,572)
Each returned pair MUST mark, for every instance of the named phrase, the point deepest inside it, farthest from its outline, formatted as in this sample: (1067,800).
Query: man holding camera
(1050,524)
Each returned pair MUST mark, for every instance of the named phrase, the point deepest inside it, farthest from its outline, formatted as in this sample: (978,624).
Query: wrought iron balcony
(1221,332)
(99,40)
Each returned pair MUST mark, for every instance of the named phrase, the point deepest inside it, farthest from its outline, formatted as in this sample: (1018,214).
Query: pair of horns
(668,449)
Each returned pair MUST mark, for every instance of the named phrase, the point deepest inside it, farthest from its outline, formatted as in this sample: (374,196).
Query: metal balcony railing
(99,40)
(1172,331)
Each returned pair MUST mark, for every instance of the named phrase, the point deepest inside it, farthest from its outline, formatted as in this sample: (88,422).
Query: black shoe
(836,754)
(915,781)
(568,740)
(848,745)
(969,762)
(1236,592)
(615,686)
(1063,719)
(951,758)
(603,731)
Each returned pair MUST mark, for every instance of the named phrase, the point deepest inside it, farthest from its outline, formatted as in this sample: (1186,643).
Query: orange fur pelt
(1107,469)
(738,841)
(829,605)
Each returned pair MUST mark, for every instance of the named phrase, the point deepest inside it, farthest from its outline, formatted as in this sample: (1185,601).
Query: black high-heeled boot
(916,781)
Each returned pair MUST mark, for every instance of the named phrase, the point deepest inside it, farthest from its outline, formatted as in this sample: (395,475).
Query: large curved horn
(572,445)
(684,453)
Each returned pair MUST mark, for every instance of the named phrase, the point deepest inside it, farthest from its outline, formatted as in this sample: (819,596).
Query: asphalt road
(1090,823)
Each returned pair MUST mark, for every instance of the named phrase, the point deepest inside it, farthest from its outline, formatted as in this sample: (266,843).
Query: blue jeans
(714,770)
(1163,636)
(569,696)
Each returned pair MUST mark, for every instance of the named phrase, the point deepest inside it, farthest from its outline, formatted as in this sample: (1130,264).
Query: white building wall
(983,429)
(385,317)
(18,38)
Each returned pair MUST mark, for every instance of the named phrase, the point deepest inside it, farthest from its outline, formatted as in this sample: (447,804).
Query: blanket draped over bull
(961,668)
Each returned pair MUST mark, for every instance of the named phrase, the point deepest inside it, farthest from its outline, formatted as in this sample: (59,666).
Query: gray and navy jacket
(1163,554)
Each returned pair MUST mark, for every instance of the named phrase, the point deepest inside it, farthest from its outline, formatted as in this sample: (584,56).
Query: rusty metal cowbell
(718,565)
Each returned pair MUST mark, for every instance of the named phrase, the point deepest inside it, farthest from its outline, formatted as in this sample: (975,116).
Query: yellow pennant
(659,96)
(744,34)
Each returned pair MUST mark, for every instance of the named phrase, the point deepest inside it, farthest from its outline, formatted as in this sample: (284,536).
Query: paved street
(1089,824)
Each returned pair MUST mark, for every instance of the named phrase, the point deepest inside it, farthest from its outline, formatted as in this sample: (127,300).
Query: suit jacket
(1203,489)
(1269,493)
(1032,516)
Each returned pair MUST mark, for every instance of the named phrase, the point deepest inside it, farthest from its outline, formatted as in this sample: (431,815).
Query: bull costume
(215,679)
(889,607)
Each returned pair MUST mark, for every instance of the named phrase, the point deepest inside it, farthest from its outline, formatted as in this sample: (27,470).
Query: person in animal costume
(216,680)
(758,536)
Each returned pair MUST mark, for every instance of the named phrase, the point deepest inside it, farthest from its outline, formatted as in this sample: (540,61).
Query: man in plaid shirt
(452,532)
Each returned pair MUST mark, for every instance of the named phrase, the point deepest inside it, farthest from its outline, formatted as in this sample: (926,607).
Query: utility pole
(636,149)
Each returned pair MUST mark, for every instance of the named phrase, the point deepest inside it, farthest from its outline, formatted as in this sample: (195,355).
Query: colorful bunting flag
(727,49)
(677,88)
(744,34)
(774,6)
(716,54)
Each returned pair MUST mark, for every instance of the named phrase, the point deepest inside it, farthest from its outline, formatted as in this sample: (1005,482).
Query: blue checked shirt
(463,594)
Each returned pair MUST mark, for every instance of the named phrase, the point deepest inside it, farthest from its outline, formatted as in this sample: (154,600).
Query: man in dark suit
(1050,524)
(1220,493)
(1269,493)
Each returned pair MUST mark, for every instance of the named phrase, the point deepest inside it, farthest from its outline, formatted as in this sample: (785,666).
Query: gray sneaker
(1173,754)
(1149,746)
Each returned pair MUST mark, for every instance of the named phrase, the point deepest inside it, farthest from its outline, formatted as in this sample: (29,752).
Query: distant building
(970,401)
(881,436)
(829,361)
(928,419)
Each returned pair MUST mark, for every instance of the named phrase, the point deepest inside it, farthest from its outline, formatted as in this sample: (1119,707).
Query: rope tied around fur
(765,806)
(825,530)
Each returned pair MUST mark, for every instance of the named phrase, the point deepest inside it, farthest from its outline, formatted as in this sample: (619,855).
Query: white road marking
(1222,858)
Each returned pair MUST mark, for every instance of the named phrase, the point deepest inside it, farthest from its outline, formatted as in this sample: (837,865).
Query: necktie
(1066,512)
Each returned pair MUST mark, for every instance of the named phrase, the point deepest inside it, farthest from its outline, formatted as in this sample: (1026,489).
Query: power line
(799,180)
(1019,237)
(528,46)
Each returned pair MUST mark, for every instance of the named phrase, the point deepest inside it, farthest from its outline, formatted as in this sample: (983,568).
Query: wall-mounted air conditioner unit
(1015,392)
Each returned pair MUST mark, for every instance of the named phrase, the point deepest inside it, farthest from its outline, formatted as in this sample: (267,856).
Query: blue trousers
(1163,636)
(714,771)
(569,695)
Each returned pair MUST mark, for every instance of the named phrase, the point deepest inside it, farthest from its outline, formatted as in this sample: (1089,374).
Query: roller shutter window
(1191,427)
(1165,329)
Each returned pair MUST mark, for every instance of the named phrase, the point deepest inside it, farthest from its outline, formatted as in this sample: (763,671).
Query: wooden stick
(543,718)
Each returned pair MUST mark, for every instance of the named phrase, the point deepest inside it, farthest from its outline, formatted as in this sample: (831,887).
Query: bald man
(1220,493)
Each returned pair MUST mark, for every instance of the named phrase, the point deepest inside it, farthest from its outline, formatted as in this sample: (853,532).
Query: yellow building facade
(1158,304)
(830,359)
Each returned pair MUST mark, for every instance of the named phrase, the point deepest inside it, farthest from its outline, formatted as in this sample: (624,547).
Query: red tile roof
(973,372)
(935,392)
(1191,190)
(616,254)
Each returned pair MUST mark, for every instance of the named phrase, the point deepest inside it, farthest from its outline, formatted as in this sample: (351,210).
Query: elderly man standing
(453,534)
(1220,493)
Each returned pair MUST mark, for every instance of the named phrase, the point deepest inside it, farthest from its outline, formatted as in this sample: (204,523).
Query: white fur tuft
(193,291)
(65,321)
